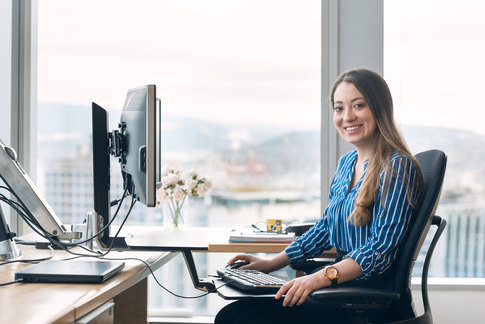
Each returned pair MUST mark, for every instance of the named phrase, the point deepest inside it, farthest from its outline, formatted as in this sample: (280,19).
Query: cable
(36,227)
(10,283)
(152,273)
(119,202)
(30,260)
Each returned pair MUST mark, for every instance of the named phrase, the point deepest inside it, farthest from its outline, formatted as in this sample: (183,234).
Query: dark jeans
(255,311)
(259,311)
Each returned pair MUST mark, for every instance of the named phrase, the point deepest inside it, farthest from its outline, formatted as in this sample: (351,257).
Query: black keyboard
(251,281)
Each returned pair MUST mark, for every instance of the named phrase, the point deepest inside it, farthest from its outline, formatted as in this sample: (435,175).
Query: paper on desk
(249,236)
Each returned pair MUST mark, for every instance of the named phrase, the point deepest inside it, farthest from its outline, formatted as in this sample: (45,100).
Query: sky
(256,61)
(227,61)
(434,62)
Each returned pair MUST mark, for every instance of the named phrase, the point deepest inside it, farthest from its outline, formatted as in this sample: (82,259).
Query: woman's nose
(348,114)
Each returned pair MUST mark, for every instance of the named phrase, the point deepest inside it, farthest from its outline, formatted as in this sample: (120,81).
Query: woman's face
(353,117)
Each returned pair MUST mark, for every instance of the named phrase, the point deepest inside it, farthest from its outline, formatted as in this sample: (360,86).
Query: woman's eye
(337,109)
(359,105)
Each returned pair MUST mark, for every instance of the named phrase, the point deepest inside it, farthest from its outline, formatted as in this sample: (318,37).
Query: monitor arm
(117,142)
(26,192)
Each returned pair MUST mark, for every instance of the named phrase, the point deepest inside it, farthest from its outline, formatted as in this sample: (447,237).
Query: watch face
(331,272)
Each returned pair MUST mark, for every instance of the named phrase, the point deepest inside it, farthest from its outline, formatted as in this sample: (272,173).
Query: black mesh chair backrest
(433,166)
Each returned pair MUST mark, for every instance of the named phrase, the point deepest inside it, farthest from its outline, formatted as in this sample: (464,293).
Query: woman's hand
(298,289)
(263,265)
(252,261)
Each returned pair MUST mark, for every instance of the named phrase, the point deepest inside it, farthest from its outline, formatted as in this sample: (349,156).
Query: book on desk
(250,236)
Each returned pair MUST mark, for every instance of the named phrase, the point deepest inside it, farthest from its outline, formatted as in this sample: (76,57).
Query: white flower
(179,193)
(190,184)
(202,188)
(170,180)
(176,184)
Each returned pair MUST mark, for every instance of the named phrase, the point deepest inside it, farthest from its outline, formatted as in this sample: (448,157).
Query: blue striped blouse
(373,246)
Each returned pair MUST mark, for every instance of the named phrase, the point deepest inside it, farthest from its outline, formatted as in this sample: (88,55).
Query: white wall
(454,300)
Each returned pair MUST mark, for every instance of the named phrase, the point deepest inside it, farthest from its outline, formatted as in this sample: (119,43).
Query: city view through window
(241,105)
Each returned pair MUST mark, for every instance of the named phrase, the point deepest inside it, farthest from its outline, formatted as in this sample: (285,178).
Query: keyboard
(251,281)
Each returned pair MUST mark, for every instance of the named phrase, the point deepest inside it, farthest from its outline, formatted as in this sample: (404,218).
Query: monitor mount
(8,248)
(25,191)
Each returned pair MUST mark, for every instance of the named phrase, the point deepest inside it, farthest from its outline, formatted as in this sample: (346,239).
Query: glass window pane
(239,83)
(5,79)
(433,63)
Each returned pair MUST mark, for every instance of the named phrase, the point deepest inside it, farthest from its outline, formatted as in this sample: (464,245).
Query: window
(239,84)
(433,63)
(5,76)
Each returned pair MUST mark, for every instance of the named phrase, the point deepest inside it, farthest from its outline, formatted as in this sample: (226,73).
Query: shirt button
(376,254)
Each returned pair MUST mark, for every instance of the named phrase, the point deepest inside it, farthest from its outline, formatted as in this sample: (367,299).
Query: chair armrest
(355,295)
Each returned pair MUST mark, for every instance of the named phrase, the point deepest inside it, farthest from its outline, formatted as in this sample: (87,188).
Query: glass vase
(175,213)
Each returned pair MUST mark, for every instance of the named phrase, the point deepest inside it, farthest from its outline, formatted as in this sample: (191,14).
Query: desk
(65,303)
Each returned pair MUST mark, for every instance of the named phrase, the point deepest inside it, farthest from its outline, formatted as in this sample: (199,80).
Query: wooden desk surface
(63,303)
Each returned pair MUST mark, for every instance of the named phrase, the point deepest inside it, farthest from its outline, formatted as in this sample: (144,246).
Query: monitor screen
(140,162)
(136,144)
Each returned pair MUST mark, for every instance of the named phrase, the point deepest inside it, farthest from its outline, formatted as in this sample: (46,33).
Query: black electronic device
(136,144)
(236,265)
(70,271)
(251,281)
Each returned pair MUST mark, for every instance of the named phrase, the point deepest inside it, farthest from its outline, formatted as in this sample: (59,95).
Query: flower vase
(175,213)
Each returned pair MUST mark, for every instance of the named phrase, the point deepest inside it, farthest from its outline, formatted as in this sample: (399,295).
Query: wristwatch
(332,273)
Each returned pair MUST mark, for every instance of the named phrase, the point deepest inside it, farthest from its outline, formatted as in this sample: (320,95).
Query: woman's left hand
(297,290)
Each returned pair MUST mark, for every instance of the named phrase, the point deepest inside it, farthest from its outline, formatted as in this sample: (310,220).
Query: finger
(295,297)
(291,294)
(303,297)
(236,258)
(283,290)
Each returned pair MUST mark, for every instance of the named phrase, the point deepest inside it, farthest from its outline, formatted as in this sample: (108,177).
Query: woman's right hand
(263,265)
(252,261)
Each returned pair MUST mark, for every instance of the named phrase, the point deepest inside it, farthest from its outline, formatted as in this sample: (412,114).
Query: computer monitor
(136,144)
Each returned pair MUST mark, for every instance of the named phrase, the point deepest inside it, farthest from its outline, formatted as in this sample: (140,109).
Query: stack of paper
(250,236)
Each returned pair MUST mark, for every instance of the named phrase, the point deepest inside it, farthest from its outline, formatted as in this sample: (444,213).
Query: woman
(372,198)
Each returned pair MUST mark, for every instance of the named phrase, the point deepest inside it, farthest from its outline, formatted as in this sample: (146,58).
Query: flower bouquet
(176,184)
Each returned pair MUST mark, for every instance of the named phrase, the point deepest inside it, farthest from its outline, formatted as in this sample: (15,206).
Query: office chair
(394,304)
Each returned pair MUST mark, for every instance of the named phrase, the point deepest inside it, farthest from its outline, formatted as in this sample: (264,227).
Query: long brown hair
(388,139)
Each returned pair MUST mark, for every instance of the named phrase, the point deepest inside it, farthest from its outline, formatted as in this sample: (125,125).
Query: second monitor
(136,144)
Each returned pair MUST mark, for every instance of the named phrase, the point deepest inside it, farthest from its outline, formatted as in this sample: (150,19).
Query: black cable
(120,202)
(32,222)
(10,283)
(30,260)
(36,227)
(152,273)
